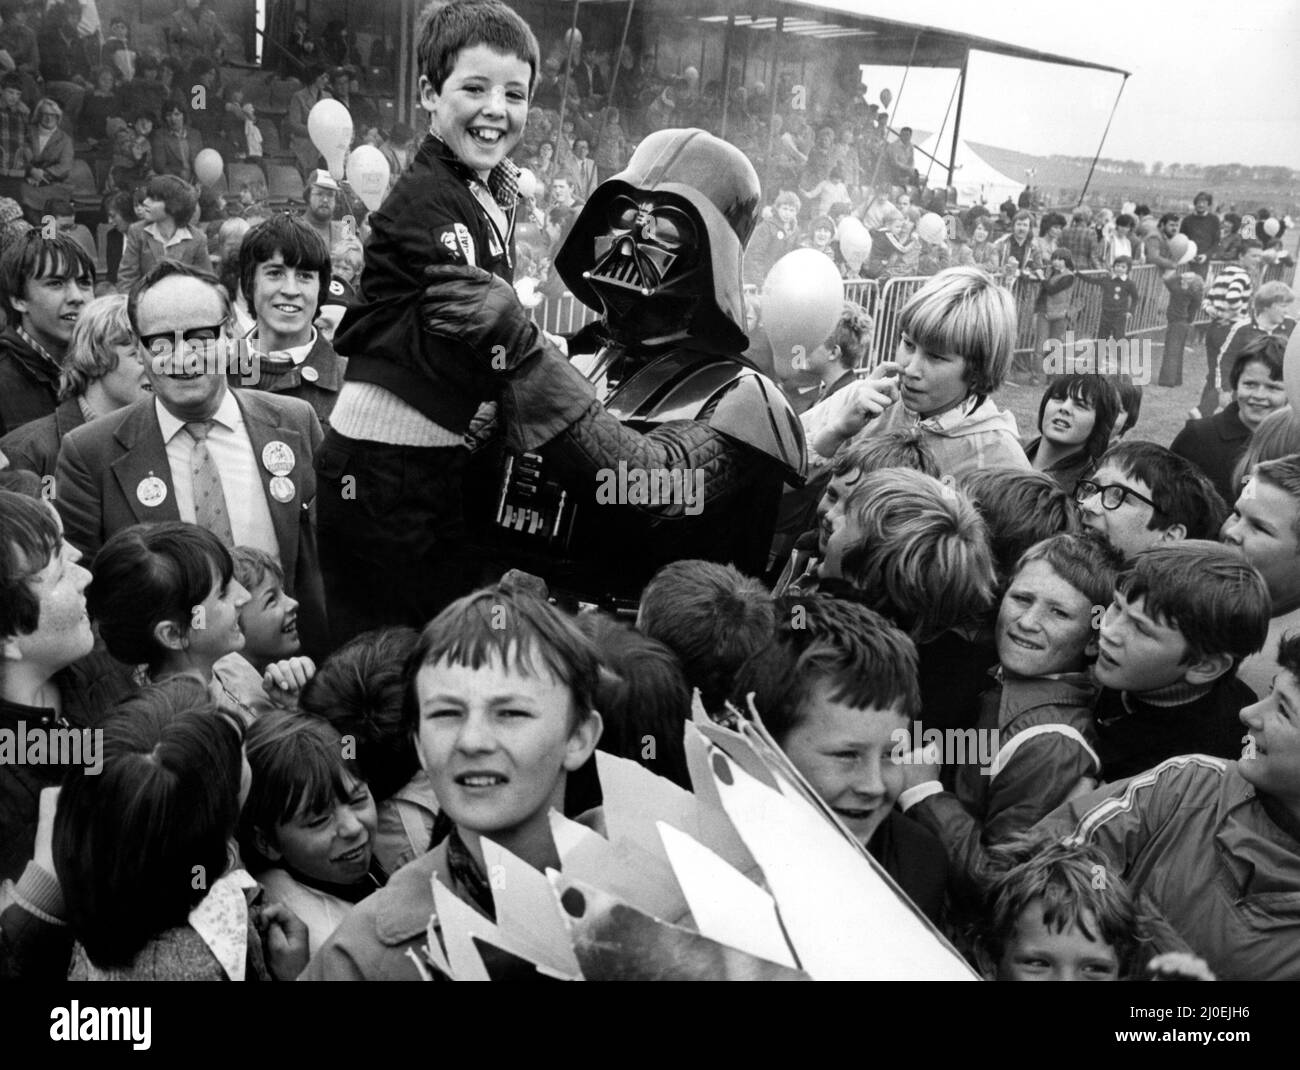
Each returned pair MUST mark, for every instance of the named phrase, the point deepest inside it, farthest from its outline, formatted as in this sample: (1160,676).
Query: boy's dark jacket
(382,335)
(29,383)
(1130,743)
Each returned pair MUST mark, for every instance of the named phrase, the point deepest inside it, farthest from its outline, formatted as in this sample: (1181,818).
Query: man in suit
(236,462)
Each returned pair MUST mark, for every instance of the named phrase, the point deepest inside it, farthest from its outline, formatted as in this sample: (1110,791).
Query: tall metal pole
(884,147)
(772,88)
(1091,169)
(564,87)
(613,78)
(406,80)
(956,126)
(726,71)
(939,137)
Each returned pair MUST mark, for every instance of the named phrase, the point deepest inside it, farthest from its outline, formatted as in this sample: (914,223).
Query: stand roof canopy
(887,41)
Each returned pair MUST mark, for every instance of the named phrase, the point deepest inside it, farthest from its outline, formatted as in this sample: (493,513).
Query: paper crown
(751,877)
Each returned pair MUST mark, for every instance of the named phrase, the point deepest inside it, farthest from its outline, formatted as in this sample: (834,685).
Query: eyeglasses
(200,340)
(1113,495)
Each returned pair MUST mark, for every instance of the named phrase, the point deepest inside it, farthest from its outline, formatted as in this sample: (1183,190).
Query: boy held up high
(409,394)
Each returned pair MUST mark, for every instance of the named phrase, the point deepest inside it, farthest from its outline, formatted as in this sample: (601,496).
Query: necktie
(209,498)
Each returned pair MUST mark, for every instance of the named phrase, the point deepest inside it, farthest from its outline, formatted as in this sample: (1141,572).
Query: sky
(1212,81)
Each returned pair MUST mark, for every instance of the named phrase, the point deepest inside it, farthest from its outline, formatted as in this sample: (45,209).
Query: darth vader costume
(656,440)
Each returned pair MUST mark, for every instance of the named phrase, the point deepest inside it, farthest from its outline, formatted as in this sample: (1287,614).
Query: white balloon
(330,125)
(208,166)
(368,175)
(855,242)
(931,228)
(527,183)
(802,298)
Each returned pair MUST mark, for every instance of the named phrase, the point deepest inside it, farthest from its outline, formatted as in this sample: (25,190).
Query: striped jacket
(1227,298)
(1045,746)
(1192,839)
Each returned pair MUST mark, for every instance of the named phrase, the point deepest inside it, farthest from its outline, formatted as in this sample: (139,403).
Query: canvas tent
(975,179)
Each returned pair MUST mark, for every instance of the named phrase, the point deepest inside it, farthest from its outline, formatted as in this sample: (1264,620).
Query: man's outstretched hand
(478,309)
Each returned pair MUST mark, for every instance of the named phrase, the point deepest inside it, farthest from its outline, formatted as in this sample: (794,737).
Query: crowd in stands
(1118,612)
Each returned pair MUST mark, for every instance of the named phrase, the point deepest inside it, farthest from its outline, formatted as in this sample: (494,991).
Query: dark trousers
(1112,325)
(1179,316)
(1215,335)
(391,533)
(113,248)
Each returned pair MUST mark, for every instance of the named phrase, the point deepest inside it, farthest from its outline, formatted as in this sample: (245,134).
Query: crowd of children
(1060,612)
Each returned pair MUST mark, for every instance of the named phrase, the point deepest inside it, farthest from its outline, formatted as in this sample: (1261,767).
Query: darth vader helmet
(657,250)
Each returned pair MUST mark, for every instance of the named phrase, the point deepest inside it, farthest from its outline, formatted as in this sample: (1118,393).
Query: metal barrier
(564,314)
(884,302)
(865,292)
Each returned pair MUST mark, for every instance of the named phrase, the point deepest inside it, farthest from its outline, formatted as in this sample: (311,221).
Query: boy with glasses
(1142,495)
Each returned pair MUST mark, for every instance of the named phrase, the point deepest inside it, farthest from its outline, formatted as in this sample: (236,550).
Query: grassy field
(1164,409)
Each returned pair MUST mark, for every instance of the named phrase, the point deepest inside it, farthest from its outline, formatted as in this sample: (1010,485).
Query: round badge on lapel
(310,374)
(282,489)
(277,458)
(151,492)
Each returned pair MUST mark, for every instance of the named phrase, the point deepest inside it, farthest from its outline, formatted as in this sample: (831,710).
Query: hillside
(1061,180)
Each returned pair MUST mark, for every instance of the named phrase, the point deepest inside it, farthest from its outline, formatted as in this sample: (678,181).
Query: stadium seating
(239,175)
(284,184)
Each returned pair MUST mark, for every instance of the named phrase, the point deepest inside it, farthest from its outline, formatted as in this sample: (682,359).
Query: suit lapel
(262,430)
(144,457)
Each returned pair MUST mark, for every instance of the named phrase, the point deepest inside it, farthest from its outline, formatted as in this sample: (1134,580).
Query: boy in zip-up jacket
(398,426)
(1039,706)
(1214,845)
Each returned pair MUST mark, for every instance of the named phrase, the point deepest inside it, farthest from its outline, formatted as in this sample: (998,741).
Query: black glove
(480,310)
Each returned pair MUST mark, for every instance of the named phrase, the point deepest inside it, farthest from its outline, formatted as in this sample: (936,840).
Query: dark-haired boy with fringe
(44,285)
(1183,617)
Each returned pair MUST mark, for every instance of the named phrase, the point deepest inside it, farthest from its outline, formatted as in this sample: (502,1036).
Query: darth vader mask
(647,259)
(657,248)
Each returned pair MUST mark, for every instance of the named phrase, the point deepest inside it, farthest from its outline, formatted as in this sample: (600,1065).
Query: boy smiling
(837,689)
(285,275)
(410,394)
(44,285)
(1214,846)
(1039,708)
(501,712)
